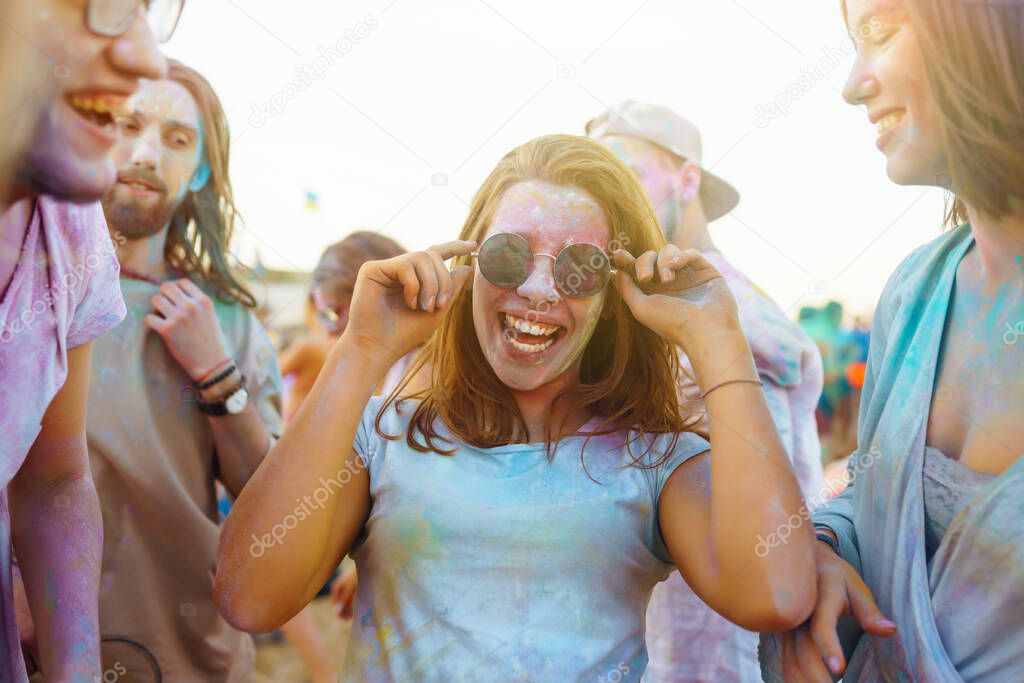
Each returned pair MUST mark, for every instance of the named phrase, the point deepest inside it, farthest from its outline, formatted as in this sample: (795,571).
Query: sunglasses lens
(505,259)
(581,270)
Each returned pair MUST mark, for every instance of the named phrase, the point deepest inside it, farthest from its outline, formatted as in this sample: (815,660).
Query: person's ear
(200,177)
(690,177)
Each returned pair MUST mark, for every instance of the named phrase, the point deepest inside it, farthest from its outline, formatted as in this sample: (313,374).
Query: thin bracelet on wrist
(209,379)
(731,381)
(827,539)
(204,377)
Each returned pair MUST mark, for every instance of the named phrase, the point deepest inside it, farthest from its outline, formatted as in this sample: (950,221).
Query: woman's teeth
(526,326)
(530,348)
(889,121)
(533,329)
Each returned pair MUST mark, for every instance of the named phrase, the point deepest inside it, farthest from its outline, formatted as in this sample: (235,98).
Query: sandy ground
(278,662)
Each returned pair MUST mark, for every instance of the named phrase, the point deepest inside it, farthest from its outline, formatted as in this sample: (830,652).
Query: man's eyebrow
(173,123)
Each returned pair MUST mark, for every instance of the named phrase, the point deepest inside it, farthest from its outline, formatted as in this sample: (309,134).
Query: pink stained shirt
(64,292)
(686,639)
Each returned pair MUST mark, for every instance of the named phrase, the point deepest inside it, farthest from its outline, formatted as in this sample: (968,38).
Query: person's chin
(904,167)
(523,373)
(54,169)
(521,379)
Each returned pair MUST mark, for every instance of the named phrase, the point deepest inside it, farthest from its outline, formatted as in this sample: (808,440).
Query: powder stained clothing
(63,293)
(154,463)
(494,564)
(959,610)
(687,640)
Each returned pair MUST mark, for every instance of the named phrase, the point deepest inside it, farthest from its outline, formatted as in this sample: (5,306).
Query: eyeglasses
(581,269)
(113,18)
(334,317)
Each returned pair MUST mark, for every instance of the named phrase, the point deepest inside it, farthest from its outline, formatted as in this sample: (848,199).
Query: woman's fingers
(831,604)
(645,266)
(425,280)
(668,260)
(444,279)
(628,289)
(809,659)
(623,260)
(862,604)
(424,266)
(454,248)
(401,270)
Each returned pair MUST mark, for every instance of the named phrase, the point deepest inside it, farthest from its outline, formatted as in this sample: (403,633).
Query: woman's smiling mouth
(529,337)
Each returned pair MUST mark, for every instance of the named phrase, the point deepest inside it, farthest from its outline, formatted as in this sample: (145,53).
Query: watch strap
(220,407)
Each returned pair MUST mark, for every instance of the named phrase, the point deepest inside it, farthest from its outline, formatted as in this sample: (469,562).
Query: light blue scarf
(961,617)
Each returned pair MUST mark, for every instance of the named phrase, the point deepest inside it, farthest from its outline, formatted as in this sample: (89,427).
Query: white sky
(448,86)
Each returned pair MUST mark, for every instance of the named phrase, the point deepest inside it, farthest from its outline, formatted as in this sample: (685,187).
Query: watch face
(236,402)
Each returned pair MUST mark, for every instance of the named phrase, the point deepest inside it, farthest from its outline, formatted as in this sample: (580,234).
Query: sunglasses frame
(125,25)
(564,291)
(327,314)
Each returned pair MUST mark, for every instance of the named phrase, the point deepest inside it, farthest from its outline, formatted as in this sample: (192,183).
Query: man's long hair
(201,228)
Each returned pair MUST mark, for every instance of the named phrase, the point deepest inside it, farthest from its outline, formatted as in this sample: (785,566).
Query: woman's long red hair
(628,372)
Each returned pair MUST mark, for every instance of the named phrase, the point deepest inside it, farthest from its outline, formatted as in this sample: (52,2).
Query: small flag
(312,201)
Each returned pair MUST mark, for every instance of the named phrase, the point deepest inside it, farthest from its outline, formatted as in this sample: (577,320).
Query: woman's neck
(1000,246)
(539,409)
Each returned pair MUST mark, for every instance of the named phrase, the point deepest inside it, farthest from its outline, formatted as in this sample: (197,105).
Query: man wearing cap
(686,640)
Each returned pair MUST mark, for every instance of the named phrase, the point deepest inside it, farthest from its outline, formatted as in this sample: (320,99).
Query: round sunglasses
(580,270)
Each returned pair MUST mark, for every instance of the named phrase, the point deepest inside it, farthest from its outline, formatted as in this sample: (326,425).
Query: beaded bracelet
(221,376)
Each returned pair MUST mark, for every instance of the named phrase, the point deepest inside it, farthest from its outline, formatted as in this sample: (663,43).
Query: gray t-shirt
(154,464)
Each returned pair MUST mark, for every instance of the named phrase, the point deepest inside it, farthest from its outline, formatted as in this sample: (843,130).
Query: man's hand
(184,318)
(841,592)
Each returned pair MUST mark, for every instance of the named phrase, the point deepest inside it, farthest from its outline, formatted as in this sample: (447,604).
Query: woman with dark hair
(510,519)
(330,295)
(929,533)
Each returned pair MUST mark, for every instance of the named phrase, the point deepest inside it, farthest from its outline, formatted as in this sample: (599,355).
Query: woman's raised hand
(676,293)
(398,302)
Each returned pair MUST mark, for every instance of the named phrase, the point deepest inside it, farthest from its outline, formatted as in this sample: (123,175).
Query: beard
(135,219)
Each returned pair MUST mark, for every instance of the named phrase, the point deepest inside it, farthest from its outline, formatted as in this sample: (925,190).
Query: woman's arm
(307,503)
(294,520)
(716,513)
(734,522)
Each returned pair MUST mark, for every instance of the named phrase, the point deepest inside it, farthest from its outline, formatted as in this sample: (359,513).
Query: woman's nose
(861,85)
(540,283)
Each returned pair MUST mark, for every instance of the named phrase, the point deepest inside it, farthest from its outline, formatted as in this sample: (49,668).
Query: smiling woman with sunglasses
(509,521)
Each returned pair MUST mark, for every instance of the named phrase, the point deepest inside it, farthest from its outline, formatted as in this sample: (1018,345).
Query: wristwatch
(232,403)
